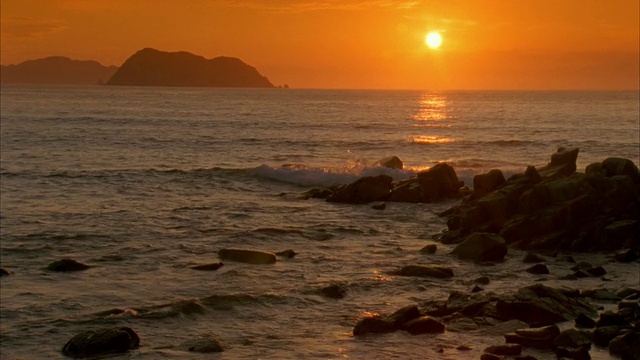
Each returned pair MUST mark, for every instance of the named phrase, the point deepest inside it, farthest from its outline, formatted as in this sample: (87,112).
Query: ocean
(144,183)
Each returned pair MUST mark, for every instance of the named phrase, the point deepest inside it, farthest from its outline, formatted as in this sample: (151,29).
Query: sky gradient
(355,44)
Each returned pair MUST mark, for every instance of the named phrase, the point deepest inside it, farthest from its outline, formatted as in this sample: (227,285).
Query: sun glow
(433,40)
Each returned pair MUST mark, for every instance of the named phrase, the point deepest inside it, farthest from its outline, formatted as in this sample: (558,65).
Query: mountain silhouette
(151,67)
(56,70)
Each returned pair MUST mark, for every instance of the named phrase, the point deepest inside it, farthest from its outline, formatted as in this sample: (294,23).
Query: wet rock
(208,267)
(203,345)
(426,271)
(334,291)
(4,272)
(476,288)
(93,343)
(408,190)
(597,271)
(602,335)
(548,332)
(364,190)
(439,182)
(373,325)
(321,193)
(481,247)
(563,163)
(538,269)
(429,249)
(579,353)
(379,205)
(508,350)
(392,162)
(624,293)
(487,356)
(618,166)
(600,294)
(513,338)
(540,303)
(424,325)
(572,338)
(289,254)
(530,258)
(626,255)
(626,346)
(483,280)
(483,184)
(585,322)
(610,318)
(247,256)
(403,315)
(67,265)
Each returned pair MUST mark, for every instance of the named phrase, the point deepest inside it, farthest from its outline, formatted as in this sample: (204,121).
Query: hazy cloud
(318,5)
(30,28)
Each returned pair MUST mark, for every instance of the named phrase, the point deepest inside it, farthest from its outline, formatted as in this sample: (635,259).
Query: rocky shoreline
(551,212)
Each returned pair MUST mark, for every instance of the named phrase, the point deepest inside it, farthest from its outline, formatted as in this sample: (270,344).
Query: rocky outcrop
(150,67)
(435,184)
(56,70)
(481,247)
(555,207)
(92,343)
(247,256)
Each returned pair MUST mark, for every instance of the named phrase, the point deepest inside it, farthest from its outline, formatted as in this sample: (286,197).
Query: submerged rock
(208,267)
(424,325)
(289,254)
(364,190)
(93,343)
(334,291)
(429,249)
(67,265)
(247,256)
(203,345)
(4,272)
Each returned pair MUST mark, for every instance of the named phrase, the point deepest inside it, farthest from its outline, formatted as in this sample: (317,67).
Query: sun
(433,40)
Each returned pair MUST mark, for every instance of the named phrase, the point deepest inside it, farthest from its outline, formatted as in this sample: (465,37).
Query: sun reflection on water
(432,113)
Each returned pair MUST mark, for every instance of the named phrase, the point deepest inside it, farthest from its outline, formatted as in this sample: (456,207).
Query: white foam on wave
(314,176)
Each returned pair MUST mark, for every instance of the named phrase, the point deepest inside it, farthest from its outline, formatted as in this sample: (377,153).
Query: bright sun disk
(433,40)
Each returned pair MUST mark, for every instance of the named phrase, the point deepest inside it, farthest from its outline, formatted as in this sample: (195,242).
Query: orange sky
(367,44)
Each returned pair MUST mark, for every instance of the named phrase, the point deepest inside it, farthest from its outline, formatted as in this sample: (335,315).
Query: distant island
(151,67)
(56,70)
(147,67)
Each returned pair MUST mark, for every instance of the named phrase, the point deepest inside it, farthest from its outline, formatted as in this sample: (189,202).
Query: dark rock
(92,343)
(380,205)
(532,258)
(629,304)
(429,249)
(204,345)
(424,325)
(392,162)
(364,190)
(624,293)
(483,184)
(509,349)
(579,353)
(334,291)
(543,343)
(600,294)
(610,318)
(626,255)
(318,193)
(247,256)
(603,334)
(540,303)
(209,267)
(476,288)
(374,324)
(289,254)
(626,346)
(619,166)
(487,356)
(572,338)
(482,280)
(548,332)
(463,348)
(481,247)
(4,272)
(403,315)
(439,182)
(67,265)
(563,163)
(597,271)
(538,269)
(407,191)
(585,322)
(426,271)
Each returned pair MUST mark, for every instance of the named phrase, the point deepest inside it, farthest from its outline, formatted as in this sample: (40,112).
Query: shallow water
(143,183)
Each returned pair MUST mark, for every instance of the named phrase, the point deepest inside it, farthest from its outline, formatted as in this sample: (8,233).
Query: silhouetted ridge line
(151,67)
(56,70)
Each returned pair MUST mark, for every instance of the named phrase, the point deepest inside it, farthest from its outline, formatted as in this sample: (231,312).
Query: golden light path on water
(431,113)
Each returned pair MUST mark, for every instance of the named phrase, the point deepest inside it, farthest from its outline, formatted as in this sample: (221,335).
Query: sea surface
(143,183)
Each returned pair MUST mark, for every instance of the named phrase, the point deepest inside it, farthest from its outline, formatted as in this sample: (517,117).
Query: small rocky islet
(549,212)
